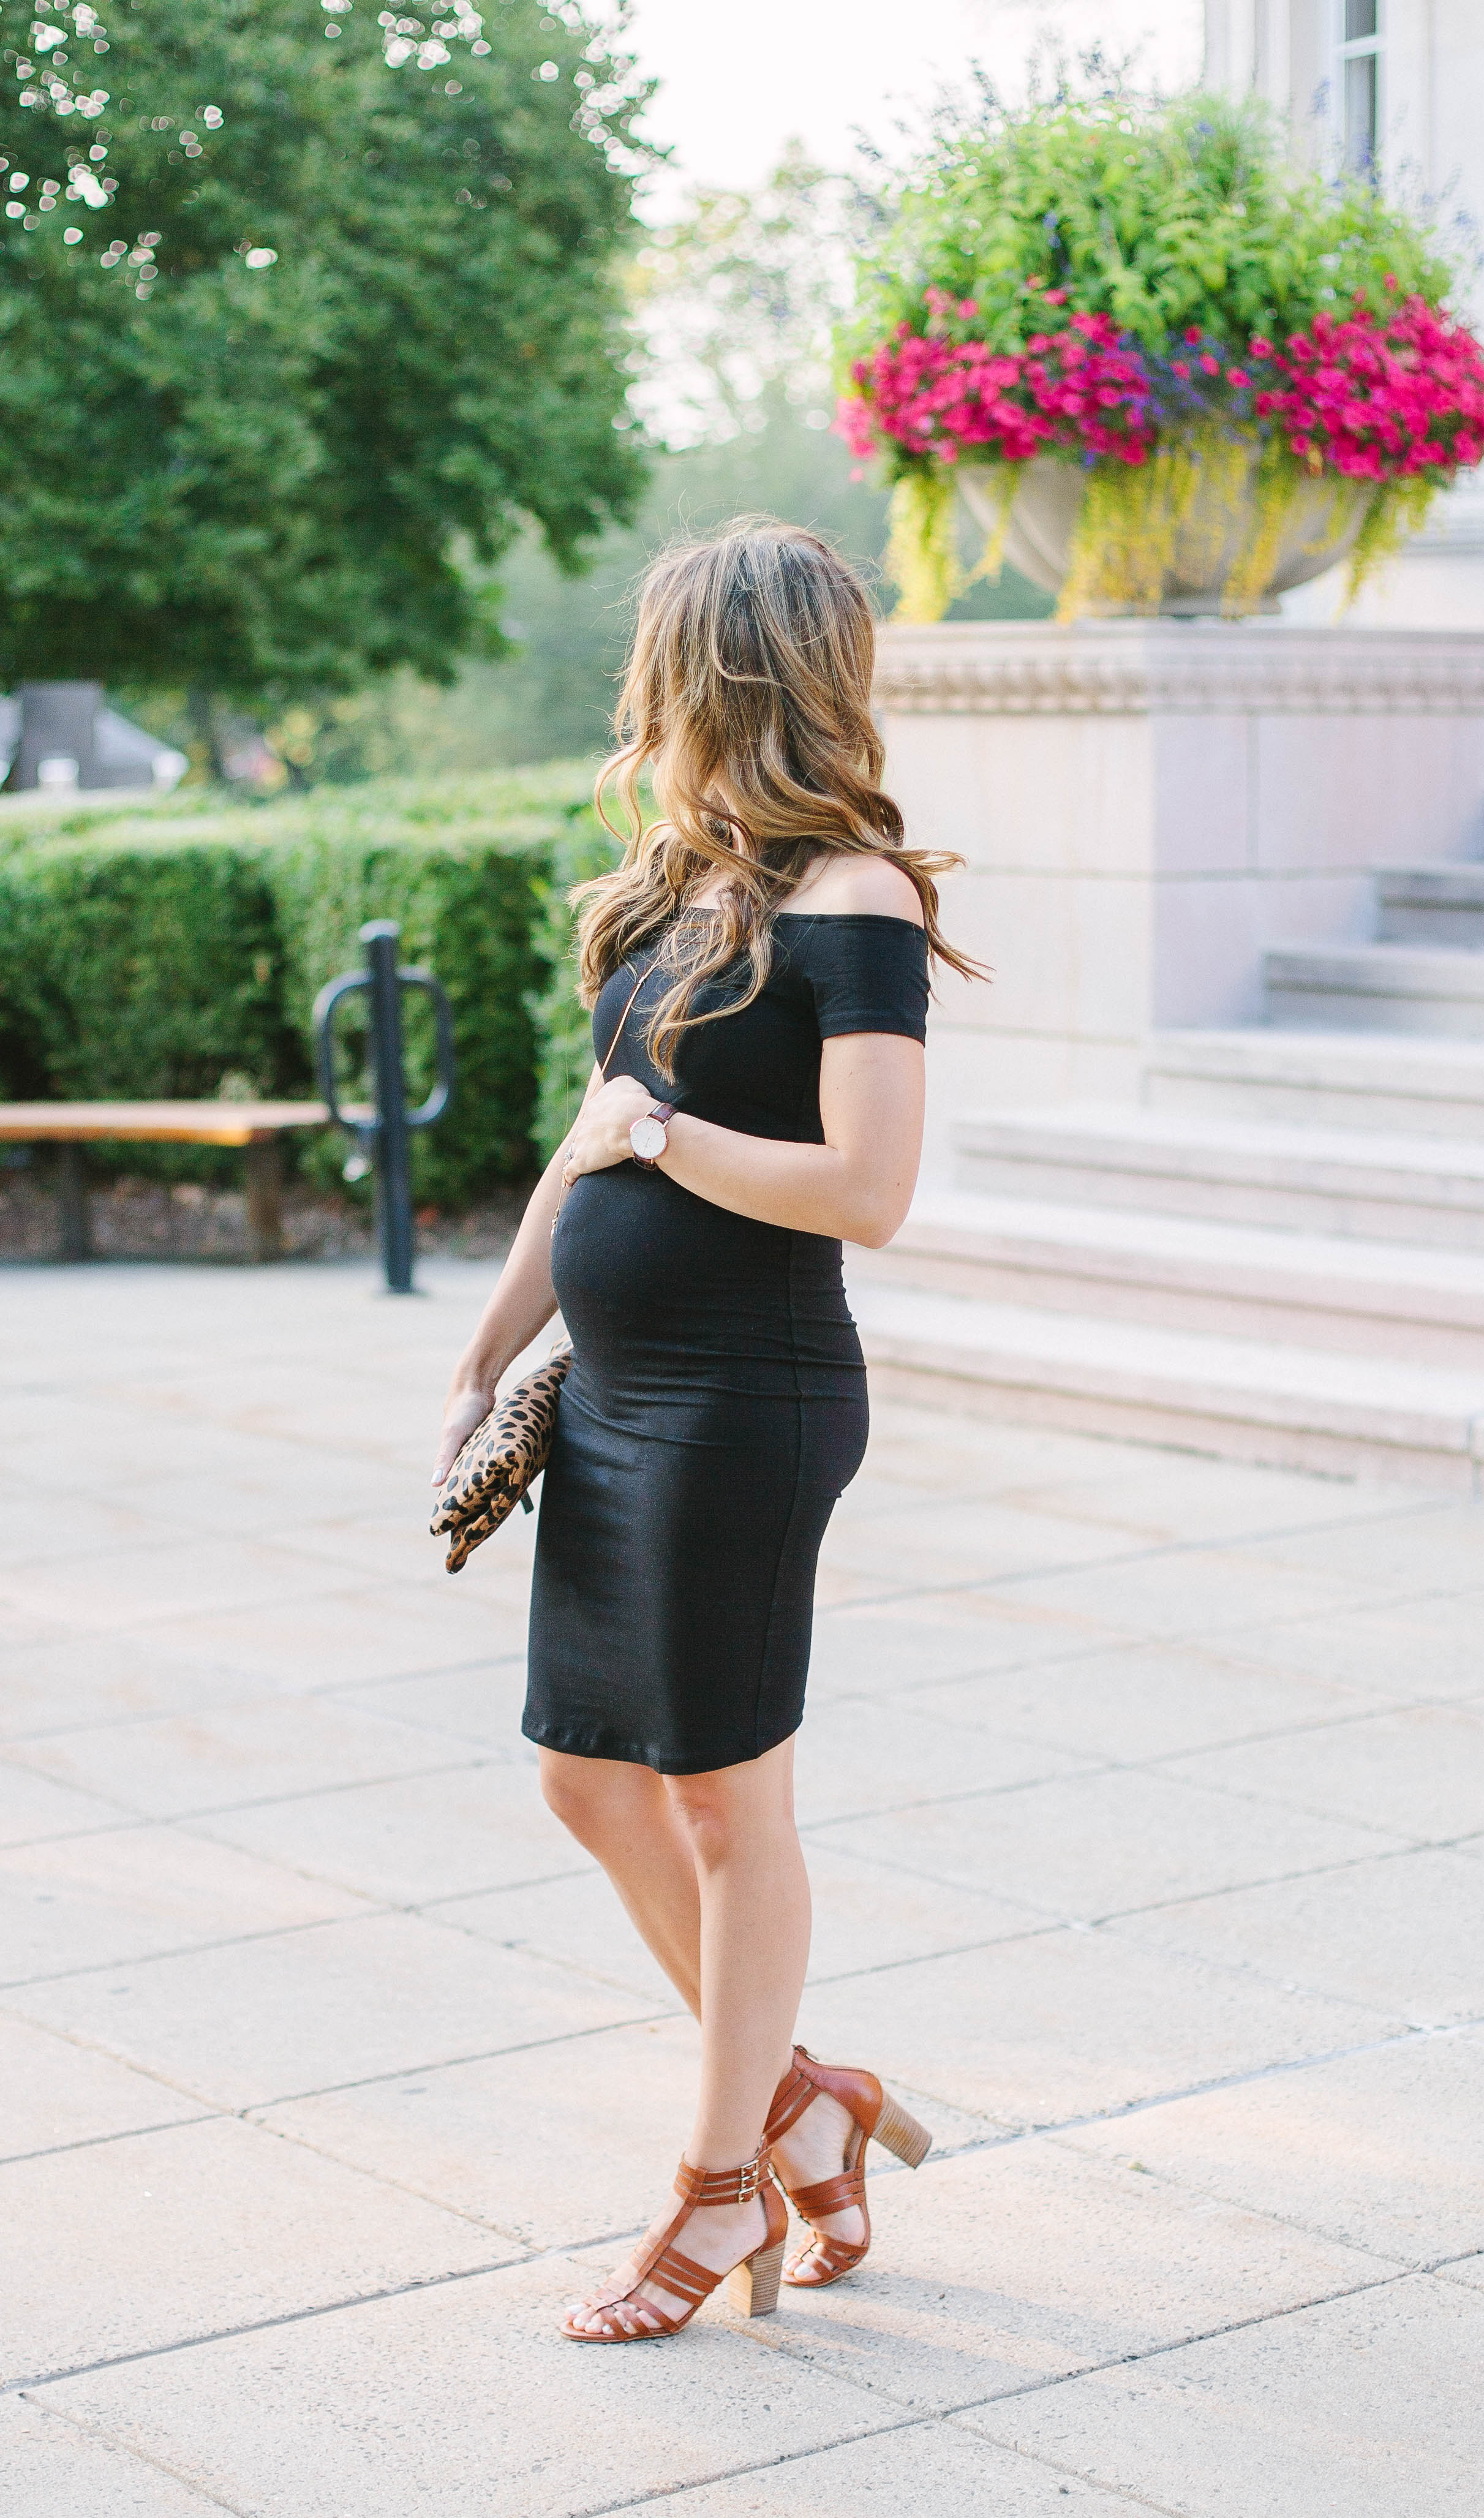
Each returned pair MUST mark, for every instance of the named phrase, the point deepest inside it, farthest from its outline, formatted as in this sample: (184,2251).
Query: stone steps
(1423,988)
(1397,1084)
(1374,1298)
(1281,1406)
(1369,1187)
(1277,1256)
(1431,905)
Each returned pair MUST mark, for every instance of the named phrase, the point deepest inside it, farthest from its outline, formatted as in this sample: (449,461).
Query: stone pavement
(1145,1808)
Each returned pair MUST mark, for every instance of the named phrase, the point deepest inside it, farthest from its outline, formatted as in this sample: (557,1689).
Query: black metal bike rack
(385,1132)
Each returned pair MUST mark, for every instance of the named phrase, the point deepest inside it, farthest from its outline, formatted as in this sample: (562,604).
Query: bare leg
(752,1909)
(623,1814)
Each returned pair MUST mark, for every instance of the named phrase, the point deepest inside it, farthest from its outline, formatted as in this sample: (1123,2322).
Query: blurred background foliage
(734,306)
(304,319)
(174,950)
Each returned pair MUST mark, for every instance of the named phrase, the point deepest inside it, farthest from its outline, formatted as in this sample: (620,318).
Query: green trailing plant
(1159,298)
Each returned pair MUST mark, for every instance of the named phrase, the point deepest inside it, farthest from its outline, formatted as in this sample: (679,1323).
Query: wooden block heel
(901,2133)
(753,2289)
(874,2116)
(751,2285)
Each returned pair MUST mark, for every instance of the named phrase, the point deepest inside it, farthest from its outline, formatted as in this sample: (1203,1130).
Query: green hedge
(153,948)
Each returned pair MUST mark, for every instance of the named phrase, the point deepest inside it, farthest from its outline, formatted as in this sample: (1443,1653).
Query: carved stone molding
(1177,668)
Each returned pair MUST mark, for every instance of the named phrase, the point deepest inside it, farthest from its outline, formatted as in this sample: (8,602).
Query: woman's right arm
(517,1310)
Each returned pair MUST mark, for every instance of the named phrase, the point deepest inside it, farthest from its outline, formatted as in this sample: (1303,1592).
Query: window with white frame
(1359,84)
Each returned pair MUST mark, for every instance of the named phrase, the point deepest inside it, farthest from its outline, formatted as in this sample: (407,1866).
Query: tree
(303,313)
(737,301)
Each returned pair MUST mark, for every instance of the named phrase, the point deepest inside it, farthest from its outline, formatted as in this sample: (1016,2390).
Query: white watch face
(648,1139)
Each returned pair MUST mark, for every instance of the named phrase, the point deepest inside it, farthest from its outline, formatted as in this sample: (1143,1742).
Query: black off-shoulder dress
(716,1405)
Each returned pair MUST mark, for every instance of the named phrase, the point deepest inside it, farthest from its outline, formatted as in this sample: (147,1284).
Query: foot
(725,2234)
(813,2150)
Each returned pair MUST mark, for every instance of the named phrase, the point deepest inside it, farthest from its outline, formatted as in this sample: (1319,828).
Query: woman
(758,973)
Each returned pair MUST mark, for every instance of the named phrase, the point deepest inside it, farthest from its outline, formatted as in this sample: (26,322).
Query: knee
(706,1815)
(574,1790)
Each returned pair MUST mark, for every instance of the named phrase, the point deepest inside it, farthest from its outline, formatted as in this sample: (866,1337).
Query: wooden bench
(258,1126)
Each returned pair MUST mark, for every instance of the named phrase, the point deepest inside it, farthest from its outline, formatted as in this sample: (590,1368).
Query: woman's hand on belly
(600,1138)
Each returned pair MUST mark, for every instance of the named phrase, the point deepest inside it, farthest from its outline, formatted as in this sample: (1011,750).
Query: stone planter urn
(1320,526)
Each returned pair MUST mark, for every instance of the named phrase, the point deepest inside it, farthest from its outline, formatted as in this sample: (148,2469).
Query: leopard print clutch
(499,1462)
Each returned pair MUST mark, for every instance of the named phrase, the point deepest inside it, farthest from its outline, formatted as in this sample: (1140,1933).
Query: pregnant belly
(661,1290)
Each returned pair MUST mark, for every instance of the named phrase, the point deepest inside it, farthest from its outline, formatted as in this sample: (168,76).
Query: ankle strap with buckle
(698,2186)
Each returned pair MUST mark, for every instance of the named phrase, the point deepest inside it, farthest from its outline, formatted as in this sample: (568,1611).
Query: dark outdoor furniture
(257,1126)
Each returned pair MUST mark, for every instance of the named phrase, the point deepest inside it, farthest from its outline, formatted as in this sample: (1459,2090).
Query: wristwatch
(648,1136)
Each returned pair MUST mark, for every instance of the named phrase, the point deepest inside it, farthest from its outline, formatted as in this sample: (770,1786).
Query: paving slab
(1084,1846)
(479,1702)
(1140,1702)
(1427,1648)
(321,2007)
(35,1527)
(1063,2023)
(1437,1547)
(49,2465)
(90,1902)
(72,1682)
(59,2093)
(398,1546)
(221,1757)
(1369,2405)
(922,2470)
(998,2270)
(936,1635)
(945,1538)
(101,1590)
(454,1828)
(382,2010)
(863,1757)
(33,1807)
(570,1915)
(465,2400)
(1417,1770)
(1382,2150)
(1402,1932)
(461,2135)
(336,1636)
(143,2233)
(1190,1593)
(1468,2270)
(1176,1496)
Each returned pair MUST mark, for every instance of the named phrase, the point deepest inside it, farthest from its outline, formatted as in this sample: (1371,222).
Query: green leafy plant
(303,314)
(1150,294)
(166,952)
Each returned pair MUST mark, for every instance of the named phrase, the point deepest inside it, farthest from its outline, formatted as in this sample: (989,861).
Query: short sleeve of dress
(865,974)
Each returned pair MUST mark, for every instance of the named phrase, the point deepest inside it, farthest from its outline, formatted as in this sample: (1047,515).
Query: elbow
(878,1224)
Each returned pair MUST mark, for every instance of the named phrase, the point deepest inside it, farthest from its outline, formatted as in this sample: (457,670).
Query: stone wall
(1145,806)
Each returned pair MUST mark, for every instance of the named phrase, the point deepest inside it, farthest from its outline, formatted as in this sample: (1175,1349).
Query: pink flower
(1078,388)
(1192,336)
(1208,365)
(1056,296)
(1380,398)
(1238,376)
(1181,368)
(1260,348)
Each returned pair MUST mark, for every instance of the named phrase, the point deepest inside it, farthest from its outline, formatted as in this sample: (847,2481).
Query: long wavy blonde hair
(747,700)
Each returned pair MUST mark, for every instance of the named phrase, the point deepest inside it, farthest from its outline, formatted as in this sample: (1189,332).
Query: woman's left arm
(856,1187)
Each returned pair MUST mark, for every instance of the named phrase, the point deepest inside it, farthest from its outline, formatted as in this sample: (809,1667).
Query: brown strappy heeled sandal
(752,2285)
(877,2117)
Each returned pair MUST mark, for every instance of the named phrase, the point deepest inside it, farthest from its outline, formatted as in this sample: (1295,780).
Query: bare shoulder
(864,886)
